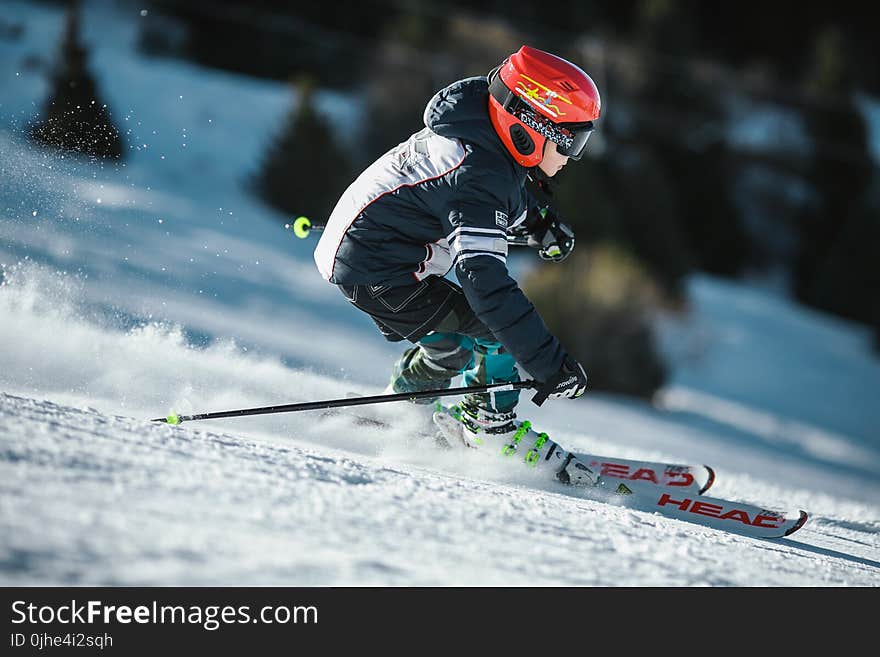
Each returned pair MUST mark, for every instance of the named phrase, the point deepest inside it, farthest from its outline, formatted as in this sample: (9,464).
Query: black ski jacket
(445,197)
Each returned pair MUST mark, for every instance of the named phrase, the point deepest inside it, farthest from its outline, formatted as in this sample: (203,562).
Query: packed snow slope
(128,291)
(90,498)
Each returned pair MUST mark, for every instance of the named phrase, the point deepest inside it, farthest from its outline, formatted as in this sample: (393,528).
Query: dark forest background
(665,191)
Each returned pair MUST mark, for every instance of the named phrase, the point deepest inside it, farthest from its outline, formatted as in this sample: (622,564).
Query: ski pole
(349,401)
(302,226)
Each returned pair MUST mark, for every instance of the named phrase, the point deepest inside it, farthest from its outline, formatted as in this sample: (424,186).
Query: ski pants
(435,315)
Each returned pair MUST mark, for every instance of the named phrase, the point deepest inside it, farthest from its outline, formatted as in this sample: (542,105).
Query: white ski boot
(576,473)
(475,427)
(471,426)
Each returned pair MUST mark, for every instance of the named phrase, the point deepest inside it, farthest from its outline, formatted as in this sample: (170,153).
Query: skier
(447,197)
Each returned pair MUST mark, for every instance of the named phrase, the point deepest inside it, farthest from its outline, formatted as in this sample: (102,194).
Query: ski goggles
(570,138)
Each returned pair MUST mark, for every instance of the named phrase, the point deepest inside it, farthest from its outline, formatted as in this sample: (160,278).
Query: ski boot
(576,473)
(470,425)
(414,373)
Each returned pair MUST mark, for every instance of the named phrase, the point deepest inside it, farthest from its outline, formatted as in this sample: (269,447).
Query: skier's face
(552,162)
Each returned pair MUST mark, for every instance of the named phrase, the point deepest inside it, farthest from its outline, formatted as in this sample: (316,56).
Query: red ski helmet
(535,96)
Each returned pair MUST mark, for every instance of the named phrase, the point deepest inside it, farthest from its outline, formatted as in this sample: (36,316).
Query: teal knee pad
(494,365)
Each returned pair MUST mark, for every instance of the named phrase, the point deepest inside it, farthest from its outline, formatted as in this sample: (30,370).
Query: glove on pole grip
(546,388)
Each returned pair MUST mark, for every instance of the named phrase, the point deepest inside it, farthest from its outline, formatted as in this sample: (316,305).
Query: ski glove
(553,238)
(570,381)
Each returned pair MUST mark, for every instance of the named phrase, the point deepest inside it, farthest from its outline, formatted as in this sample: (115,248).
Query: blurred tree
(679,121)
(398,80)
(420,53)
(269,38)
(304,170)
(583,196)
(596,197)
(783,34)
(877,326)
(649,216)
(475,44)
(75,118)
(599,304)
(846,280)
(836,266)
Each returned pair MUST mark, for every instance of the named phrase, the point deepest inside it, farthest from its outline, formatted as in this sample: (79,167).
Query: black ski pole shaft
(302,227)
(349,401)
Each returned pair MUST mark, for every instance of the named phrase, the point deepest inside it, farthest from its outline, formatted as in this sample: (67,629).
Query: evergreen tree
(599,304)
(846,280)
(877,326)
(583,197)
(836,267)
(419,54)
(650,212)
(595,197)
(679,122)
(75,118)
(397,85)
(304,171)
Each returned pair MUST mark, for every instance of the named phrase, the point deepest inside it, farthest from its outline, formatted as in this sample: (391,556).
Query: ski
(669,489)
(727,515)
(636,474)
(672,490)
(695,479)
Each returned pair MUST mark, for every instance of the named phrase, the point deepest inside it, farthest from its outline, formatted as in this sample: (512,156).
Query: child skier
(449,197)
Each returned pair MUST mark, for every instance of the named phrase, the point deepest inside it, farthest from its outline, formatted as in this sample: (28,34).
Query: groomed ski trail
(94,499)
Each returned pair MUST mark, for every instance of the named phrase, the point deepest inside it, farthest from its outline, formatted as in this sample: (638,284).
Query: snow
(131,291)
(148,504)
